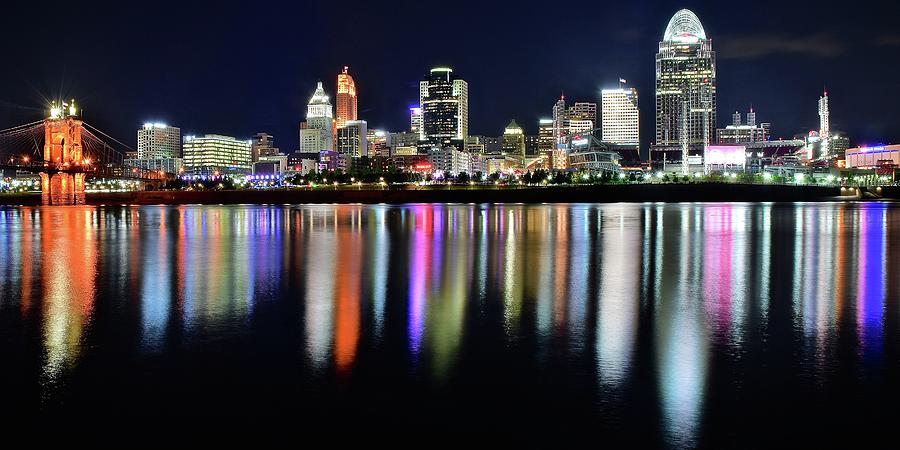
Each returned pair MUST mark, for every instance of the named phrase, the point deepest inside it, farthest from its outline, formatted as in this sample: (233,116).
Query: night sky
(242,69)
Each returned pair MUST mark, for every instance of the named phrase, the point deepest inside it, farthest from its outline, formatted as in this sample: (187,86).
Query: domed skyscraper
(685,91)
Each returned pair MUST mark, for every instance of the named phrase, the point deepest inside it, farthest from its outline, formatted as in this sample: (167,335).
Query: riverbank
(693,192)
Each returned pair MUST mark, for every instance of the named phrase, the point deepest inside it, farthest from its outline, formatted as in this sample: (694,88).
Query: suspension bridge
(66,151)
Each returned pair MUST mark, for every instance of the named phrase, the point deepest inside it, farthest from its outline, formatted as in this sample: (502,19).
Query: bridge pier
(62,188)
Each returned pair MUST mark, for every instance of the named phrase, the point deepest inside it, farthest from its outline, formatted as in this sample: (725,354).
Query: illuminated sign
(726,155)
(578,140)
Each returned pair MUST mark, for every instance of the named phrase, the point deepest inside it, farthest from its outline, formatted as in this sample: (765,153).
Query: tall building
(444,99)
(620,122)
(560,120)
(580,118)
(532,145)
(352,139)
(514,140)
(685,90)
(263,144)
(345,99)
(216,153)
(824,126)
(743,133)
(584,112)
(158,141)
(317,133)
(415,121)
(545,135)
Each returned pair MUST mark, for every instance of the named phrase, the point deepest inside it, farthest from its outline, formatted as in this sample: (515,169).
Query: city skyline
(388,90)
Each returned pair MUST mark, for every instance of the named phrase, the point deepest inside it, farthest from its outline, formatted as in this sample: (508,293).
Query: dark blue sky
(240,69)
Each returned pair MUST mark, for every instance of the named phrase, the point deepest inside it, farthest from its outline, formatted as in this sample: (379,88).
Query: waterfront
(733,324)
(401,194)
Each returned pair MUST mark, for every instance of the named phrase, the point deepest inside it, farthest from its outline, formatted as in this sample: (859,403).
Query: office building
(685,90)
(403,143)
(158,141)
(415,121)
(263,144)
(352,139)
(345,99)
(214,153)
(168,165)
(584,112)
(514,140)
(532,145)
(450,159)
(560,121)
(620,119)
(444,99)
(317,133)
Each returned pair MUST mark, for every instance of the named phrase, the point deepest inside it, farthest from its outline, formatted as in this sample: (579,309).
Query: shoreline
(615,193)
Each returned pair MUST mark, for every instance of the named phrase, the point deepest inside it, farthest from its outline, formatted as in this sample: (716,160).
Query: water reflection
(655,297)
(69,257)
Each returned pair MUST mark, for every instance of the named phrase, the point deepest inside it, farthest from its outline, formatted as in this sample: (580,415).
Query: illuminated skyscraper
(352,139)
(584,112)
(560,120)
(444,99)
(824,126)
(685,90)
(514,140)
(415,121)
(545,135)
(317,133)
(619,116)
(158,141)
(345,99)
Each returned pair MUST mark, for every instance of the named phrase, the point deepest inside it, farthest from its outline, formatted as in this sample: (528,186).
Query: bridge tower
(62,181)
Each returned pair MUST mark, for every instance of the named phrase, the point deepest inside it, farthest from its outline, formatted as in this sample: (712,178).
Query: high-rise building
(545,135)
(263,144)
(560,120)
(352,139)
(444,99)
(584,112)
(216,153)
(317,133)
(345,99)
(158,141)
(415,121)
(546,142)
(514,140)
(580,118)
(685,90)
(824,126)
(532,145)
(619,116)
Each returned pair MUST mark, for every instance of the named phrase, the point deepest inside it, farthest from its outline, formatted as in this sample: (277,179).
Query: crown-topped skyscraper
(345,99)
(685,90)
